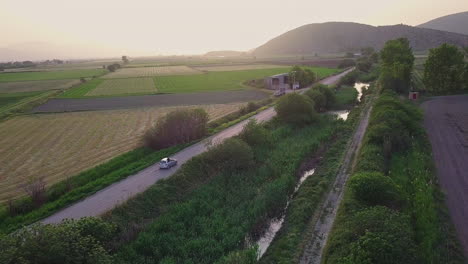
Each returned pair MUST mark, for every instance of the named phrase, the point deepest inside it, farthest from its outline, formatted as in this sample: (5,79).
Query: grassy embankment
(288,245)
(392,210)
(207,208)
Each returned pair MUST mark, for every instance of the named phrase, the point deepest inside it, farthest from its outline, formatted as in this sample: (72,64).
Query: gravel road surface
(119,192)
(446,122)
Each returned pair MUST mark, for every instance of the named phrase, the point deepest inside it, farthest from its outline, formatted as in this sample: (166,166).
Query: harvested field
(49,75)
(241,67)
(161,100)
(446,122)
(124,86)
(151,71)
(56,146)
(33,86)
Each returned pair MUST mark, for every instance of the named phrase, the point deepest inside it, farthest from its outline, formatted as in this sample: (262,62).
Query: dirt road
(326,215)
(121,191)
(446,122)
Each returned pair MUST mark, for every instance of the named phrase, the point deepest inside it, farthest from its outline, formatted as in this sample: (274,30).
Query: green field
(9,99)
(207,82)
(50,75)
(124,87)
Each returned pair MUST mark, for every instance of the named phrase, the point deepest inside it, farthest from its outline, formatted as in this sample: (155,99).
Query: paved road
(446,122)
(119,192)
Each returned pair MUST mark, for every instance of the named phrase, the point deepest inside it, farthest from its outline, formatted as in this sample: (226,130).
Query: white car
(167,163)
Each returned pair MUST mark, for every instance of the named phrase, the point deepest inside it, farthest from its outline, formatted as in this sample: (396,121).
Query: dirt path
(119,192)
(446,122)
(326,215)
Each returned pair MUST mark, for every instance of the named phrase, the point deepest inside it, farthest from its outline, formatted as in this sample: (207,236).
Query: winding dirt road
(119,192)
(446,122)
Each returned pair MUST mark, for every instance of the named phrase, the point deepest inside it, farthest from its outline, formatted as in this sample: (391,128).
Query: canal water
(275,224)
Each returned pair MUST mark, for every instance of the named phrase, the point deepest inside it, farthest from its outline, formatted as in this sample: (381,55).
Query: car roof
(165,159)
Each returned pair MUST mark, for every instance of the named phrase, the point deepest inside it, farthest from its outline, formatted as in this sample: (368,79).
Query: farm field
(211,81)
(56,146)
(50,75)
(124,87)
(151,71)
(32,86)
(240,67)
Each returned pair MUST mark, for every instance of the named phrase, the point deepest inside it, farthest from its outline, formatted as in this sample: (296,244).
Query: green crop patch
(32,86)
(124,87)
(50,75)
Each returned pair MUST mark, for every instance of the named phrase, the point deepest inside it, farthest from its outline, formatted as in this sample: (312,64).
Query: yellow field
(238,67)
(151,71)
(56,146)
(124,86)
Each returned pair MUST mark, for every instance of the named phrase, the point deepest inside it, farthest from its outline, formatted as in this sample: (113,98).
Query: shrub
(177,127)
(68,242)
(255,134)
(382,236)
(248,256)
(374,188)
(330,97)
(296,109)
(233,154)
(319,99)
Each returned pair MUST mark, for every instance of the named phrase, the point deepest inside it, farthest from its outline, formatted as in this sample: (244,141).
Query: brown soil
(446,122)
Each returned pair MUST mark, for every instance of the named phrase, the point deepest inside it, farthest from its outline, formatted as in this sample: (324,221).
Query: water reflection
(359,86)
(276,223)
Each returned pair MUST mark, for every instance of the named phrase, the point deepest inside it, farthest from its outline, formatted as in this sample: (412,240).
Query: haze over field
(74,29)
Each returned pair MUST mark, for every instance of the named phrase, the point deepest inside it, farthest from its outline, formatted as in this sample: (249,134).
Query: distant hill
(344,36)
(224,53)
(457,23)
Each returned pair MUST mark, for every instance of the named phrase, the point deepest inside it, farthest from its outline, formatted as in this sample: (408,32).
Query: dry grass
(55,146)
(33,86)
(151,71)
(124,86)
(242,67)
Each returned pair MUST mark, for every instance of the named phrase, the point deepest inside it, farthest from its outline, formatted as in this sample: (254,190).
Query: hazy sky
(139,27)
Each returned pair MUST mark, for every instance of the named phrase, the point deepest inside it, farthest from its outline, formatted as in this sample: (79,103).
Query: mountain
(457,23)
(334,37)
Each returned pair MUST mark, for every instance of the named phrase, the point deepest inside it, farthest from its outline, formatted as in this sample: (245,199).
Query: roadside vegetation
(392,210)
(50,75)
(446,71)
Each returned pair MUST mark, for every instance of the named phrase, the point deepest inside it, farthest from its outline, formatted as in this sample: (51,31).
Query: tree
(330,98)
(179,126)
(125,59)
(374,188)
(444,69)
(113,67)
(397,62)
(367,51)
(255,134)
(303,77)
(319,99)
(296,109)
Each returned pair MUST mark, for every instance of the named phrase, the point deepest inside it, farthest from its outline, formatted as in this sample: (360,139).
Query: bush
(177,127)
(383,236)
(69,242)
(255,134)
(330,97)
(233,154)
(374,188)
(296,109)
(319,99)
(248,256)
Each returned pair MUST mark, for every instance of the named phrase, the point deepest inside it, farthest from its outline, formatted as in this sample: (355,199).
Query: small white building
(278,82)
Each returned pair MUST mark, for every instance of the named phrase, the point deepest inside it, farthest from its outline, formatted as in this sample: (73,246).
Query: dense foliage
(444,70)
(66,243)
(296,109)
(397,61)
(394,169)
(177,127)
(302,76)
